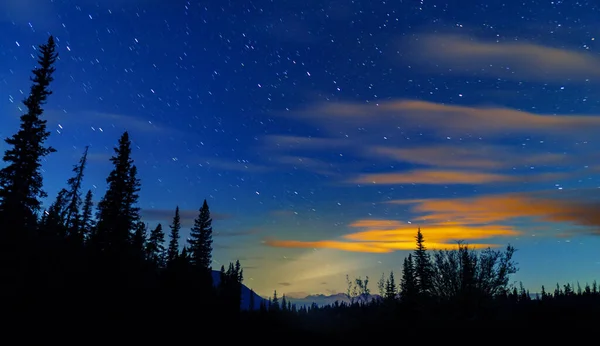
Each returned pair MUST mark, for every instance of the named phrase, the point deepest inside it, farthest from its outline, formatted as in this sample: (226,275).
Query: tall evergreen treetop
(408,283)
(72,217)
(201,239)
(117,211)
(274,306)
(390,287)
(173,249)
(155,248)
(21,180)
(422,264)
(139,239)
(54,219)
(85,222)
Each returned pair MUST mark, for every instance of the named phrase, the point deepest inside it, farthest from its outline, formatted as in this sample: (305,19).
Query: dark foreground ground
(102,317)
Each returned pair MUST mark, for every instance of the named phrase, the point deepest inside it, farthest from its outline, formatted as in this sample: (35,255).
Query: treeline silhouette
(459,288)
(96,260)
(95,265)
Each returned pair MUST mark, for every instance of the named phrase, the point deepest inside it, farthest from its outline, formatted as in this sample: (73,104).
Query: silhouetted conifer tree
(155,248)
(422,265)
(568,290)
(117,211)
(173,249)
(239,271)
(21,180)
(222,276)
(239,279)
(185,255)
(139,239)
(200,241)
(587,290)
(54,220)
(73,217)
(86,222)
(274,303)
(544,294)
(381,285)
(557,291)
(390,287)
(408,283)
(230,286)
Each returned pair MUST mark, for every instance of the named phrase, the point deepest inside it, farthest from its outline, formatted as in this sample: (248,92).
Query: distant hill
(246,292)
(321,299)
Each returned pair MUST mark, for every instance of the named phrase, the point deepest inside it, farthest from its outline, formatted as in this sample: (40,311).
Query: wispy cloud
(433,177)
(453,177)
(289,143)
(517,59)
(487,209)
(41,14)
(379,135)
(448,120)
(102,121)
(469,156)
(307,163)
(480,221)
(398,236)
(232,165)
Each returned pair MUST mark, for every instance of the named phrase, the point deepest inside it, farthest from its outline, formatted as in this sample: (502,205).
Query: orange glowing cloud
(373,133)
(330,244)
(437,233)
(369,247)
(482,157)
(384,236)
(451,177)
(446,221)
(500,208)
(433,177)
(510,59)
(448,119)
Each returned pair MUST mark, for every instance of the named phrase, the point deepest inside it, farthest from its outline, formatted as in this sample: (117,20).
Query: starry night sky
(323,133)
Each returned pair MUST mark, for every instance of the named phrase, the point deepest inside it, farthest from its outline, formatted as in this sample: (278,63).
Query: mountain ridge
(246,293)
(319,298)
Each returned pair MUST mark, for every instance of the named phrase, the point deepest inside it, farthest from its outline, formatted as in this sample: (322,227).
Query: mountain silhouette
(322,299)
(246,293)
(319,299)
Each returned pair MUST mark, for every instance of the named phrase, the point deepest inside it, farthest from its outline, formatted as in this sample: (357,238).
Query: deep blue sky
(322,133)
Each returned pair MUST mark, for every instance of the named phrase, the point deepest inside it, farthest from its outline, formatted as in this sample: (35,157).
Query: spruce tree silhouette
(118,214)
(408,283)
(200,250)
(155,248)
(86,223)
(73,216)
(422,265)
(391,290)
(200,240)
(173,249)
(21,180)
